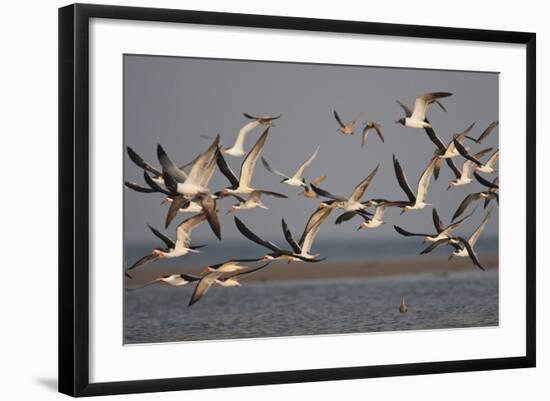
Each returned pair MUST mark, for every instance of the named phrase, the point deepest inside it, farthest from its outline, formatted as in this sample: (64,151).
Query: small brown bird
(266,120)
(403,308)
(368,126)
(346,129)
(310,193)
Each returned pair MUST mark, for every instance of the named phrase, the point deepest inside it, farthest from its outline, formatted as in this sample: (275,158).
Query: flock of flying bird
(185,188)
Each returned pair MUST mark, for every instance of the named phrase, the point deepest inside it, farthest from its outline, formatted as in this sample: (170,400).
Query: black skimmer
(346,129)
(451,150)
(253,200)
(173,249)
(487,167)
(303,246)
(441,148)
(242,185)
(353,203)
(367,127)
(297,180)
(462,246)
(173,280)
(417,119)
(468,167)
(487,195)
(310,193)
(416,202)
(442,232)
(156,174)
(237,150)
(214,276)
(403,308)
(194,183)
(206,201)
(277,253)
(487,131)
(376,220)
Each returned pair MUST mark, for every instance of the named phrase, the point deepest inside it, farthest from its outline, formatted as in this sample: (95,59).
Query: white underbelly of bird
(414,123)
(294,182)
(191,189)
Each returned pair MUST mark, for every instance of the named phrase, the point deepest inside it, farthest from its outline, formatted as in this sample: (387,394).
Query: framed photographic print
(238,189)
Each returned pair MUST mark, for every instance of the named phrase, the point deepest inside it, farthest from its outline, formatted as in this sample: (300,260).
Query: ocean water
(310,307)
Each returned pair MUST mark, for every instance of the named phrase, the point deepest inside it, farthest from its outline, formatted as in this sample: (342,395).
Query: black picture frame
(74,198)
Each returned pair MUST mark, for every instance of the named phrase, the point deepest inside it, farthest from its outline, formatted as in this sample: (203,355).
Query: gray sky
(172,101)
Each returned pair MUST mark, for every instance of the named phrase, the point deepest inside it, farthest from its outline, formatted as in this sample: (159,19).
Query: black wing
(209,207)
(253,237)
(270,193)
(487,131)
(154,185)
(169,243)
(462,150)
(169,166)
(338,119)
(144,260)
(326,194)
(437,221)
(226,171)
(288,235)
(483,181)
(178,202)
(465,203)
(402,180)
(408,112)
(139,188)
(435,245)
(406,233)
(138,160)
(471,252)
(346,216)
(453,167)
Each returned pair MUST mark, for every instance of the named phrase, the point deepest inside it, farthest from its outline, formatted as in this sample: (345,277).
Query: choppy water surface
(288,308)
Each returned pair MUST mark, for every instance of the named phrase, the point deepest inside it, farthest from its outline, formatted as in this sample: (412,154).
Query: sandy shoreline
(328,270)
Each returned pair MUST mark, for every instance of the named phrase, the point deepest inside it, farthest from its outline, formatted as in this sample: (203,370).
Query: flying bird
(451,150)
(487,167)
(276,252)
(418,116)
(303,246)
(173,280)
(489,194)
(310,193)
(297,180)
(237,150)
(440,147)
(242,185)
(416,202)
(353,203)
(346,129)
(266,120)
(462,247)
(214,276)
(253,200)
(442,232)
(173,249)
(200,174)
(367,127)
(468,168)
(487,131)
